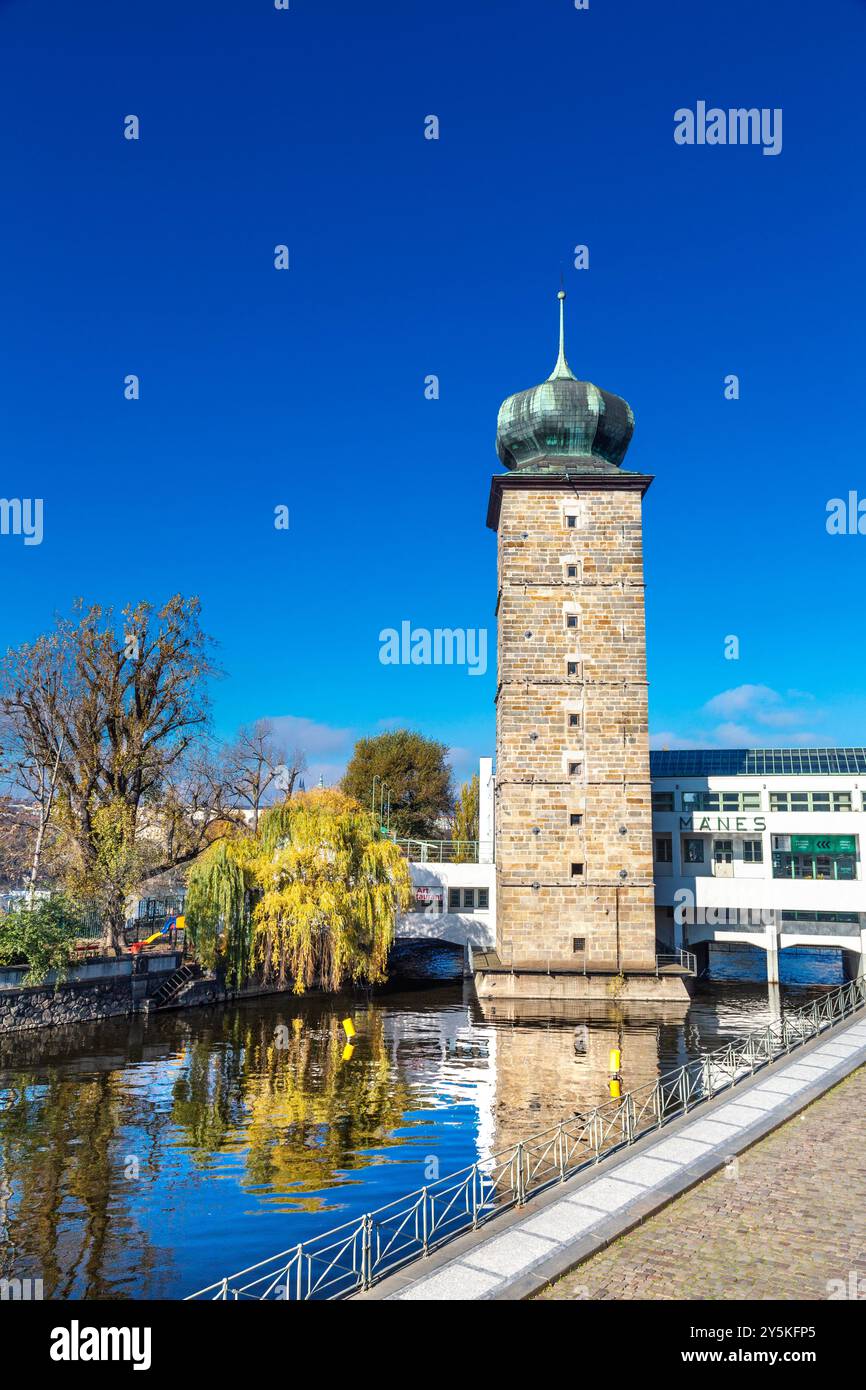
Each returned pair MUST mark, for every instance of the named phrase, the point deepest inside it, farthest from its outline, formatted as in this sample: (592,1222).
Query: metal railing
(150,909)
(687,960)
(351,1257)
(447,851)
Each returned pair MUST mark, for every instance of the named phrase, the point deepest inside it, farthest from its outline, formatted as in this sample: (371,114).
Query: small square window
(575,818)
(575,769)
(577,871)
(664,849)
(578,944)
(573,721)
(571,571)
(571,620)
(573,668)
(571,521)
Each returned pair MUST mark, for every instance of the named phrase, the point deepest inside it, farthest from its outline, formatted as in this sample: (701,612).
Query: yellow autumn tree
(310,898)
(464,831)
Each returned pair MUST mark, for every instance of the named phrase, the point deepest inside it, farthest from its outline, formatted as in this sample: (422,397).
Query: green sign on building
(823,844)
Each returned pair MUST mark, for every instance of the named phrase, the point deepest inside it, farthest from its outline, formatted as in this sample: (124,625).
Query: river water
(147,1158)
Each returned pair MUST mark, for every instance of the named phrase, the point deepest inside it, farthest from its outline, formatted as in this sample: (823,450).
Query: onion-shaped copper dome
(563,419)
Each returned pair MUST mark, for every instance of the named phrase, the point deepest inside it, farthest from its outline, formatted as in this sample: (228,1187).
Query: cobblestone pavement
(784,1221)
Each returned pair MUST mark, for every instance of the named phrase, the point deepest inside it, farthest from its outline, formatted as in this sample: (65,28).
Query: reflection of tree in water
(67,1209)
(303,1112)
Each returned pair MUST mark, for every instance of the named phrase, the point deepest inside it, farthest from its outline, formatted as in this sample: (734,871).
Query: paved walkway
(516,1255)
(785,1220)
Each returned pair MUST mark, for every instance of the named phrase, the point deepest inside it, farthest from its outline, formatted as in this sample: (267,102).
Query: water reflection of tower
(542,1078)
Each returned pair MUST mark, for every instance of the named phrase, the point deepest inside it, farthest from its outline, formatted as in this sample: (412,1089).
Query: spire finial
(561,370)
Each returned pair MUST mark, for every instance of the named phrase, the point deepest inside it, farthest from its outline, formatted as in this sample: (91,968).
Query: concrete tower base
(555,984)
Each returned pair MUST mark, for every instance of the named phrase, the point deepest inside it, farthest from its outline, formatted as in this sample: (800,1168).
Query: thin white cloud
(312,737)
(750,716)
(740,699)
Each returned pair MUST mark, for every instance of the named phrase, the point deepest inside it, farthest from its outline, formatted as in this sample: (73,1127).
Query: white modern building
(760,846)
(455,886)
(757,847)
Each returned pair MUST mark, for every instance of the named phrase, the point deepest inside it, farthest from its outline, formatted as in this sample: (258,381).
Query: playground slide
(164,931)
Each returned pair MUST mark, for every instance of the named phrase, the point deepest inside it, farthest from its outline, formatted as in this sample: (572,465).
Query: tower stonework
(574,866)
(571,726)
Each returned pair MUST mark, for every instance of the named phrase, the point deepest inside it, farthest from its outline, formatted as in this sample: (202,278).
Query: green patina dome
(563,419)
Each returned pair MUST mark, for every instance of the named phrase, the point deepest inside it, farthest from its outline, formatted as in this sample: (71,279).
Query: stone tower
(573,803)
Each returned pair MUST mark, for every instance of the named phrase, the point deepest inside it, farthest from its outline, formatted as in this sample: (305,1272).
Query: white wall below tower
(476,928)
(485,810)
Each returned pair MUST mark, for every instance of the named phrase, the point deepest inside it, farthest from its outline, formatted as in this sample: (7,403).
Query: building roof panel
(755,762)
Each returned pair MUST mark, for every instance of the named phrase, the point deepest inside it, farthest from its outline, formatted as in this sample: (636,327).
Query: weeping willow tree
(218,898)
(310,898)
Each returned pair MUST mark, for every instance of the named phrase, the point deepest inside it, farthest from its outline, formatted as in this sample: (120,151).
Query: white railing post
(684,1093)
(521,1176)
(708,1078)
(629,1117)
(366,1251)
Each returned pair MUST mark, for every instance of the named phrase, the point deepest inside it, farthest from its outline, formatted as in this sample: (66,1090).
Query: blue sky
(411,257)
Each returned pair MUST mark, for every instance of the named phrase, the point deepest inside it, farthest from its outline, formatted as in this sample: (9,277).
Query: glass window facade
(849,918)
(721,801)
(810,801)
(814,866)
(468,899)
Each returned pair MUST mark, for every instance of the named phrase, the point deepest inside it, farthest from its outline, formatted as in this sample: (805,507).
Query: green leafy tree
(415,772)
(465,827)
(109,875)
(40,937)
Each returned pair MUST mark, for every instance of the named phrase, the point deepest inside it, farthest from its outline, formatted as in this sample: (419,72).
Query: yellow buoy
(615,1088)
(347,1052)
(348,1028)
(615,1059)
